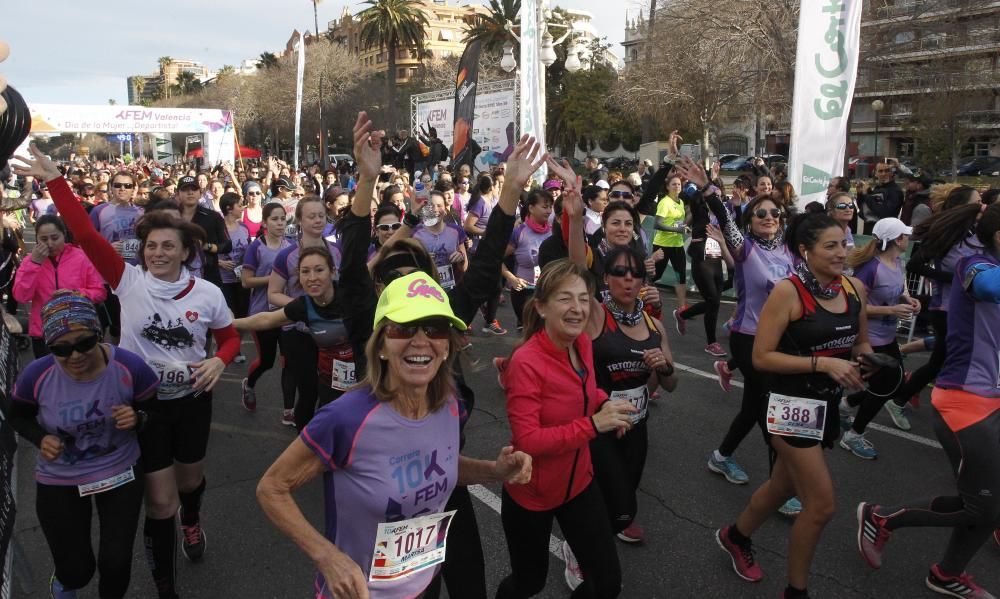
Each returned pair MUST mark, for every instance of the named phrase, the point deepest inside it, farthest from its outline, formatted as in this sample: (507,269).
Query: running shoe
(288,417)
(728,468)
(858,445)
(846,420)
(655,395)
(725,375)
(744,563)
(464,343)
(960,586)
(898,416)
(872,534)
(715,349)
(249,397)
(57,591)
(193,541)
(494,328)
(573,573)
(240,358)
(679,321)
(633,533)
(792,507)
(500,364)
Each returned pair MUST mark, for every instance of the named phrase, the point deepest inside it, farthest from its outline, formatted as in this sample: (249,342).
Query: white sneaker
(898,416)
(573,573)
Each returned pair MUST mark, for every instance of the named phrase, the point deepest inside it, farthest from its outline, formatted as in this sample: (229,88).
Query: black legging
(588,532)
(301,356)
(464,569)
(974,453)
(618,465)
(923,376)
(517,301)
(707,273)
(490,307)
(267,343)
(65,520)
(754,392)
(237,298)
(883,382)
(674,256)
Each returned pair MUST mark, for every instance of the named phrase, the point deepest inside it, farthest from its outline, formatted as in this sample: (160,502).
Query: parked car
(623,164)
(772,159)
(724,158)
(981,166)
(340,158)
(740,163)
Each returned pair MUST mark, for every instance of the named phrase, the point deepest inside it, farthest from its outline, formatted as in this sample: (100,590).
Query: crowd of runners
(367,279)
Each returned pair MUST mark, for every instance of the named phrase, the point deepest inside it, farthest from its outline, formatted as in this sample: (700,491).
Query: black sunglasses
(625,195)
(123,185)
(619,270)
(82,346)
(434,329)
(389,227)
(763,212)
(844,206)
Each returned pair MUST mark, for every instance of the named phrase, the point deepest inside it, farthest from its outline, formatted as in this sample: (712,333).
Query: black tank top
(621,373)
(818,332)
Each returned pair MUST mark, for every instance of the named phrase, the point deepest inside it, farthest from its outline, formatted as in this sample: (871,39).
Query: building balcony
(925,9)
(925,83)
(973,119)
(962,43)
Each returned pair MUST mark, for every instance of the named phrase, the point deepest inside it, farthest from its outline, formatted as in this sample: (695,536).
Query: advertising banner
(466,83)
(826,68)
(494,128)
(533,76)
(75,118)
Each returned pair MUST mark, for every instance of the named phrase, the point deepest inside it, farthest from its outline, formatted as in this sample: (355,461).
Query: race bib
(638,397)
(446,276)
(238,271)
(175,377)
(343,375)
(538,273)
(406,547)
(796,416)
(130,248)
(107,484)
(712,248)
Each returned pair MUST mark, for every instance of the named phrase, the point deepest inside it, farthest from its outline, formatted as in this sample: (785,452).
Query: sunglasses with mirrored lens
(619,270)
(844,206)
(122,185)
(763,212)
(389,227)
(82,346)
(434,329)
(623,195)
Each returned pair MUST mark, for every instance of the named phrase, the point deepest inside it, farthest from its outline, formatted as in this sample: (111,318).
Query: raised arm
(108,262)
(262,321)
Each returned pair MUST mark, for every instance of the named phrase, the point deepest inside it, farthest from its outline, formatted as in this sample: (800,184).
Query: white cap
(602,184)
(890,229)
(648,162)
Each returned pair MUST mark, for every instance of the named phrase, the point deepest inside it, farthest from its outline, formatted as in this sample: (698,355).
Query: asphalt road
(681,502)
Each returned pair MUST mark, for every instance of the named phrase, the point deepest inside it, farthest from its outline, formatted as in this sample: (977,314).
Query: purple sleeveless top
(757,272)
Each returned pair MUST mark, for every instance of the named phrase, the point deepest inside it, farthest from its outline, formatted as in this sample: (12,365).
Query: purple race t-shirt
(441,246)
(381,467)
(42,206)
(240,236)
(526,242)
(259,258)
(79,413)
(757,272)
(885,286)
(483,208)
(973,360)
(117,223)
(942,291)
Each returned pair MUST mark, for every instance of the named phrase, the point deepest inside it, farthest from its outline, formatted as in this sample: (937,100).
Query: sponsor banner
(494,127)
(533,76)
(466,83)
(826,68)
(78,118)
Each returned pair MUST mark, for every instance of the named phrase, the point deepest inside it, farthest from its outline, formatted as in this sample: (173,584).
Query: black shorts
(177,431)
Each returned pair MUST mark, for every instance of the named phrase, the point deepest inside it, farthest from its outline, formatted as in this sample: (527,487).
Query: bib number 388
(800,417)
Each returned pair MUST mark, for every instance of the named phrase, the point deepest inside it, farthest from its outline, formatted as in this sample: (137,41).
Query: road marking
(878,427)
(238,430)
(493,502)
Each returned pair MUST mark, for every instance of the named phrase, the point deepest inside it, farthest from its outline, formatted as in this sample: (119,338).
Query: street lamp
(877,107)
(507,62)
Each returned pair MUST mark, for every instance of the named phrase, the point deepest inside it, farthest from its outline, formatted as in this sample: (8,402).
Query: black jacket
(881,201)
(215,233)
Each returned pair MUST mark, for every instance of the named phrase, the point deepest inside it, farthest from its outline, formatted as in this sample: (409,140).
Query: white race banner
(826,68)
(494,127)
(79,118)
(298,94)
(533,76)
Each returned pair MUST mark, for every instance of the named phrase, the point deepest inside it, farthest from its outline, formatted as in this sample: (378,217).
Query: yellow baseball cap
(413,297)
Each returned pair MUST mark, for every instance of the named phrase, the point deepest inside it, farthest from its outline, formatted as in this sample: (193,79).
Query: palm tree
(267,60)
(187,82)
(140,86)
(165,61)
(491,29)
(225,71)
(389,25)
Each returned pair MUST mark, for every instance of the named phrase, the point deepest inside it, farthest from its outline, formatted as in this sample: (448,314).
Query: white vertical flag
(298,95)
(826,68)
(532,76)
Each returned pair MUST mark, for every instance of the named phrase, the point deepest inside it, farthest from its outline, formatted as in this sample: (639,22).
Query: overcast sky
(80,52)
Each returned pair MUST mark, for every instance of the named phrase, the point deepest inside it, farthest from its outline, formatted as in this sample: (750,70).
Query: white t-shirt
(168,324)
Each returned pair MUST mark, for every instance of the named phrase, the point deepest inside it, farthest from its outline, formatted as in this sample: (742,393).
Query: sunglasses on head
(389,227)
(122,185)
(844,206)
(763,212)
(82,346)
(434,329)
(620,270)
(88,195)
(625,195)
